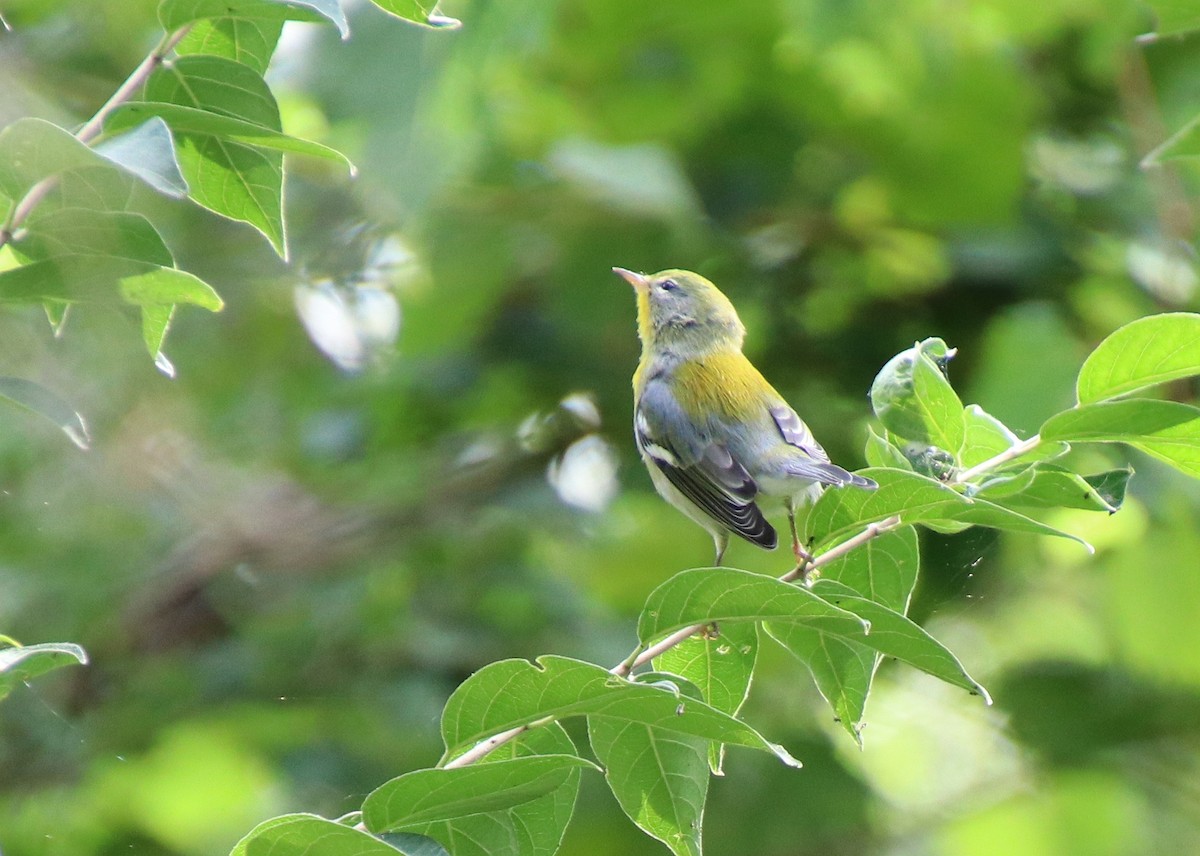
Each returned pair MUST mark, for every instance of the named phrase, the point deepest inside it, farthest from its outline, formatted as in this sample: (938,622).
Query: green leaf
(913,399)
(984,437)
(509,693)
(105,280)
(238,181)
(1048,486)
(1166,430)
(147,150)
(190,120)
(1143,353)
(885,569)
(309,835)
(660,778)
(249,41)
(37,399)
(915,498)
(841,668)
(79,231)
(424,796)
(22,663)
(34,149)
(721,665)
(882,452)
(701,595)
(1175,16)
(894,635)
(533,828)
(418,12)
(173,14)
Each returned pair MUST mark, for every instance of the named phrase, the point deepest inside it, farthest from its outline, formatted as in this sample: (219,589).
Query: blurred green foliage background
(406,454)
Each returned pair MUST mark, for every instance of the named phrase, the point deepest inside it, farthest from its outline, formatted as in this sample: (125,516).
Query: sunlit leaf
(701,595)
(421,12)
(1143,353)
(884,569)
(1048,486)
(250,41)
(660,778)
(915,498)
(880,451)
(425,796)
(720,665)
(533,828)
(514,692)
(239,181)
(308,835)
(912,397)
(147,150)
(1175,16)
(34,149)
(190,120)
(1167,430)
(37,399)
(173,14)
(984,437)
(22,663)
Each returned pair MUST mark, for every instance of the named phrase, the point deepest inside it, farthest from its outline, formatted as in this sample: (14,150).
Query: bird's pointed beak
(637,280)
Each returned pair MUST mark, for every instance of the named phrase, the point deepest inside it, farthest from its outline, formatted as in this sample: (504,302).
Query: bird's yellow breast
(725,385)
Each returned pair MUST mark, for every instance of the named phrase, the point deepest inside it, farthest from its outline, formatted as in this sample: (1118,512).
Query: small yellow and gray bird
(715,435)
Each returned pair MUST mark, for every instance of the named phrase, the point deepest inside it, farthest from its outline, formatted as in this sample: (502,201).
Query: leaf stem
(92,128)
(1003,458)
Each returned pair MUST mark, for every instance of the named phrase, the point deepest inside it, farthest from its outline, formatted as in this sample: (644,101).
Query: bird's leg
(803,557)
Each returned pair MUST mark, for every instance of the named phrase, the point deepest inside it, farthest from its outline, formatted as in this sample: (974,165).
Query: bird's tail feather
(831,474)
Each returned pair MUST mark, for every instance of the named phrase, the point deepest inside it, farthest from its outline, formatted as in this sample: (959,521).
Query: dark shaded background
(284,560)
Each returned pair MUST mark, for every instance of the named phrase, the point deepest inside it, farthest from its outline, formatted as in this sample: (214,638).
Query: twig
(92,128)
(1003,458)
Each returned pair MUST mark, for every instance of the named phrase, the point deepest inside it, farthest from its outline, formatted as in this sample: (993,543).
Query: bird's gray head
(684,312)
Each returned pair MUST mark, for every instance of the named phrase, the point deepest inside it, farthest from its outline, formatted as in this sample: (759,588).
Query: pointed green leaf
(423,12)
(839,514)
(1166,430)
(885,569)
(1048,486)
(533,828)
(720,665)
(22,663)
(238,181)
(250,41)
(881,451)
(79,231)
(516,692)
(1142,354)
(307,835)
(660,778)
(912,397)
(34,149)
(147,150)
(424,796)
(702,595)
(985,437)
(190,120)
(105,280)
(841,668)
(173,14)
(1175,16)
(37,399)
(894,635)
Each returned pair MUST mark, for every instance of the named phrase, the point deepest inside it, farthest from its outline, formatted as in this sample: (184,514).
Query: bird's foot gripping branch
(509,776)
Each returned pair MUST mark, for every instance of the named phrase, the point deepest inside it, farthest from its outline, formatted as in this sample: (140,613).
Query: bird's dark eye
(668,285)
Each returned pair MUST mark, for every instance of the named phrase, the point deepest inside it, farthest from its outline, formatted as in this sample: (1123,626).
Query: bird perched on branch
(715,435)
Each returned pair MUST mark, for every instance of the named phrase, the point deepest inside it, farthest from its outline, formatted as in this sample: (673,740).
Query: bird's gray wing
(702,470)
(815,463)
